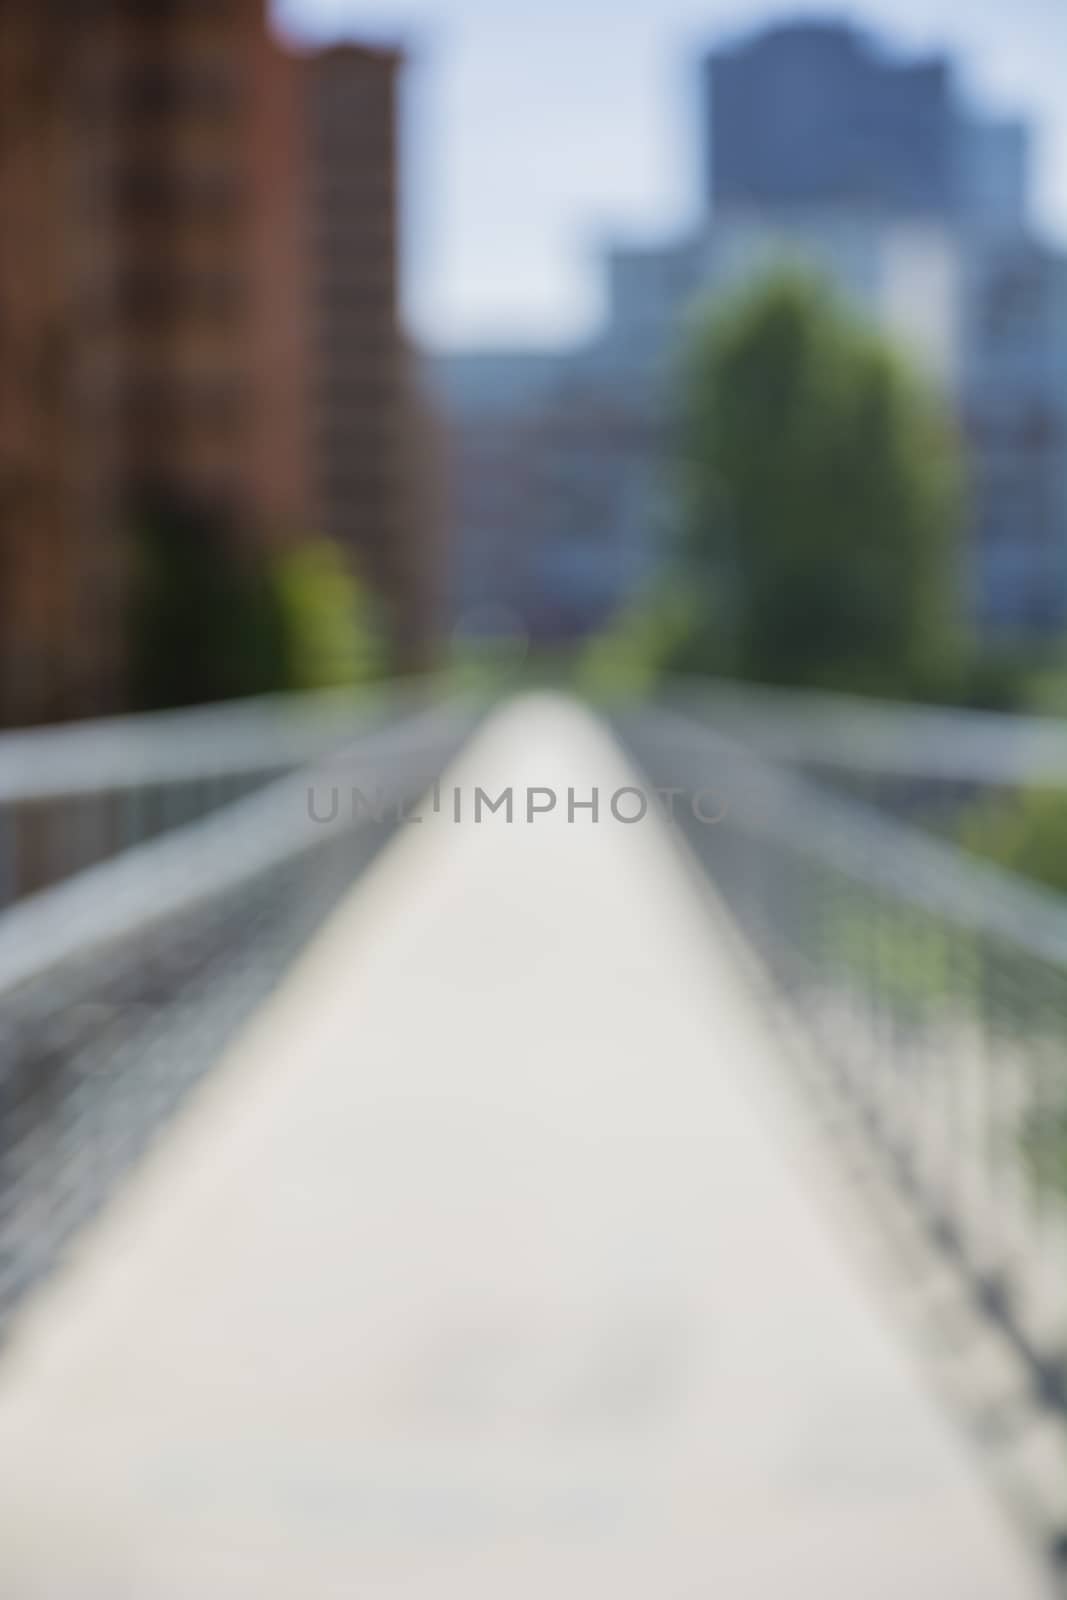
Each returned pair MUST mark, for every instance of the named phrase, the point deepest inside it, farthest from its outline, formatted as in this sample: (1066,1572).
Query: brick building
(371,444)
(197,297)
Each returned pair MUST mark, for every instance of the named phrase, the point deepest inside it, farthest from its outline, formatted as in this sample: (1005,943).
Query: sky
(536,131)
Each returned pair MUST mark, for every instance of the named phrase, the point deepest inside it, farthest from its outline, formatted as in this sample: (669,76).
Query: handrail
(119,986)
(934,990)
(214,856)
(881,738)
(233,739)
(886,855)
(76,795)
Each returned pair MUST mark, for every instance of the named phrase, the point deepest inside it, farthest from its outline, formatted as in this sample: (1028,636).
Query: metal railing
(78,794)
(119,987)
(843,733)
(934,988)
(932,765)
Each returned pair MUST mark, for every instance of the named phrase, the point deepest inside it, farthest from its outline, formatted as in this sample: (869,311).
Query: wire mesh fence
(934,988)
(74,795)
(940,768)
(120,986)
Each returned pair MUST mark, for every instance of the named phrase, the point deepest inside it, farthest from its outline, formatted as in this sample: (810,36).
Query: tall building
(817,115)
(556,469)
(370,431)
(1014,406)
(43,533)
(813,114)
(198,274)
(992,172)
(138,291)
(492,401)
(600,453)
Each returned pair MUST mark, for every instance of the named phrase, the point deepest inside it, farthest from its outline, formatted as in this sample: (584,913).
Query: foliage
(1044,1144)
(1025,832)
(1023,676)
(1043,691)
(821,493)
(627,659)
(211,616)
(491,657)
(203,620)
(329,623)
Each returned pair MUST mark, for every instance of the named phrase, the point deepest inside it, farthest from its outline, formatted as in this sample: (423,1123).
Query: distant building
(818,115)
(601,451)
(492,402)
(992,173)
(1014,405)
(555,466)
(814,114)
(479,384)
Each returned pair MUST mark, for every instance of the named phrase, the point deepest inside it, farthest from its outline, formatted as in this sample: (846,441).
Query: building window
(154,90)
(152,296)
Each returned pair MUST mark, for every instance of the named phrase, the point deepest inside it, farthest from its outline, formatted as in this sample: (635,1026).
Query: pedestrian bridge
(520,1240)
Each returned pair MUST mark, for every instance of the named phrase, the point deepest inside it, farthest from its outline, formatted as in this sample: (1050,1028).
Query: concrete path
(480,1273)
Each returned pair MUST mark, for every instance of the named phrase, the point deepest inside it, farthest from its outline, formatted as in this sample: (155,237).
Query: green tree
(330,626)
(213,616)
(821,492)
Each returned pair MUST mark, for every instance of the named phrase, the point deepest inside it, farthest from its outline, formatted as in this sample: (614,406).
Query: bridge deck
(480,1270)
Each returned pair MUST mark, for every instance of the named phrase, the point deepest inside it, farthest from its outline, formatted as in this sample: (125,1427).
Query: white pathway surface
(479,1272)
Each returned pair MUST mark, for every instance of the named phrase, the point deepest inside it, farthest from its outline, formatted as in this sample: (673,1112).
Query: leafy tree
(821,495)
(329,622)
(212,616)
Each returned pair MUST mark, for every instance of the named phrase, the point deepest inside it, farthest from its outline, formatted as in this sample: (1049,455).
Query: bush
(203,618)
(629,657)
(1025,832)
(329,624)
(211,617)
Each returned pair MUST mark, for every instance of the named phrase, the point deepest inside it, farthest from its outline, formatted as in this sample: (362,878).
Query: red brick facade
(198,275)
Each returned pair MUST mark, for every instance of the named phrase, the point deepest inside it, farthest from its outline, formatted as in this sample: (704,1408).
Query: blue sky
(536,129)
